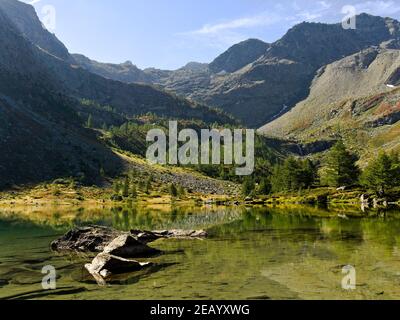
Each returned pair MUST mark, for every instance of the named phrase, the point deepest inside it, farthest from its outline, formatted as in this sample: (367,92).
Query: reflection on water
(292,253)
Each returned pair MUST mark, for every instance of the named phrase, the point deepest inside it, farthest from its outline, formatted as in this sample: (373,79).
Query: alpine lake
(250,253)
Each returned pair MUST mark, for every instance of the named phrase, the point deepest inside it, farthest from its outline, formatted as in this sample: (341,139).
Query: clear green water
(250,254)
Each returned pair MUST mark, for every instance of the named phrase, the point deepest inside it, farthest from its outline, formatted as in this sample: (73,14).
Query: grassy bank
(64,193)
(67,194)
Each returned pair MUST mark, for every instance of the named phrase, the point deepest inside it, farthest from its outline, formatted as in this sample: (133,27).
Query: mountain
(75,81)
(46,99)
(25,19)
(354,99)
(196,81)
(318,44)
(258,82)
(129,99)
(41,136)
(239,56)
(187,81)
(277,81)
(125,72)
(230,61)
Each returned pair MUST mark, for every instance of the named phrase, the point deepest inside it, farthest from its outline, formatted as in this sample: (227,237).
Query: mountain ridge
(273,77)
(130,99)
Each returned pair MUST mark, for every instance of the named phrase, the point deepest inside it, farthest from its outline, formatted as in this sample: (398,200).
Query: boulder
(116,247)
(105,265)
(131,244)
(126,246)
(85,239)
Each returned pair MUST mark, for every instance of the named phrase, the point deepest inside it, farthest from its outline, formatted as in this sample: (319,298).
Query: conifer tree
(340,167)
(90,121)
(264,187)
(125,188)
(293,175)
(382,173)
(248,186)
(173,191)
(147,186)
(134,191)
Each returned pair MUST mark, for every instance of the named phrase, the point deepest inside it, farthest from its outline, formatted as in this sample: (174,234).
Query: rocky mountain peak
(318,43)
(239,55)
(26,20)
(196,67)
(128,63)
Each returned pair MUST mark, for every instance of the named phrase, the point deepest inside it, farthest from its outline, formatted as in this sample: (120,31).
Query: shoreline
(44,196)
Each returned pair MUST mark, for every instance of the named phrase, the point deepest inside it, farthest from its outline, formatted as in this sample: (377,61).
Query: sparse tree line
(130,187)
(338,169)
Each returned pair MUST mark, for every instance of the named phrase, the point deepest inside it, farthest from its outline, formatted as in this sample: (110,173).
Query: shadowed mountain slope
(40,134)
(25,19)
(129,99)
(44,106)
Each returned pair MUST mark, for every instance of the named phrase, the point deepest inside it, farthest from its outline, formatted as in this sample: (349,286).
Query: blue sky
(169,33)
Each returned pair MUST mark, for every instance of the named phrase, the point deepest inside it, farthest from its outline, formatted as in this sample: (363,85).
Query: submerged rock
(145,236)
(181,234)
(150,236)
(105,265)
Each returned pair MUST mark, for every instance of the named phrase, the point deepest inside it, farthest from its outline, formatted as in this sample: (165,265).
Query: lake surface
(296,253)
